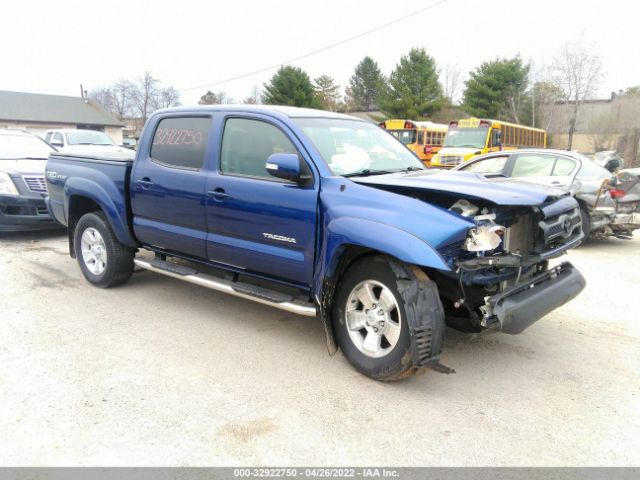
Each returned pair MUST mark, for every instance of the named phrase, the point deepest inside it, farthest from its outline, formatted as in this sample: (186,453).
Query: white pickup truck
(85,142)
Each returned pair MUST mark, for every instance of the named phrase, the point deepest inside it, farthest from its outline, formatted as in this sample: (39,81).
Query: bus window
(420,138)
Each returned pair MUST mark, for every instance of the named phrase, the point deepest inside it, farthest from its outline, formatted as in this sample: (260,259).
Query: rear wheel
(586,224)
(374,315)
(104,261)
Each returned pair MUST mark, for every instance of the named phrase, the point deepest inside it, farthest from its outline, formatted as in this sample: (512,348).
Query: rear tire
(104,261)
(374,322)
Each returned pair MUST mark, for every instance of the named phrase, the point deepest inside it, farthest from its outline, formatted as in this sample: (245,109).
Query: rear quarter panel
(106,182)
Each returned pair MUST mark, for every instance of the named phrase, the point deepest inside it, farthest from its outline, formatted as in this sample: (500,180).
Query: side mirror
(285,165)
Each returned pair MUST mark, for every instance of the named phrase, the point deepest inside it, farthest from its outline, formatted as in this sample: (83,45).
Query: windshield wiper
(368,172)
(461,146)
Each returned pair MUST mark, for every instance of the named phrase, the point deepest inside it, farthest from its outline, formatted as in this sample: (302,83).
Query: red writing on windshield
(177,136)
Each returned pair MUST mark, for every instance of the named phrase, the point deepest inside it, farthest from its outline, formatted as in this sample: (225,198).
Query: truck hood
(498,190)
(23,167)
(98,149)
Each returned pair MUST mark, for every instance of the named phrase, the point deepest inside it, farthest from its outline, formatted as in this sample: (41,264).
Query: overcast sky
(53,46)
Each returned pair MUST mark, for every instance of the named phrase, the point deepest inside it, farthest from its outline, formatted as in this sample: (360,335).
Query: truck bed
(107,178)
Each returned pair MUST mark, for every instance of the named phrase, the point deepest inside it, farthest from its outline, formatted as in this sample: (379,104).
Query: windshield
(87,137)
(466,137)
(351,146)
(407,137)
(19,146)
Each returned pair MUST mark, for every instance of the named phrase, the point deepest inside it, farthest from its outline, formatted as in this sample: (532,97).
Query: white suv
(84,142)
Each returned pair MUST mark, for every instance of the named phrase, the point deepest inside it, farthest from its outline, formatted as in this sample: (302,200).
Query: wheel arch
(83,196)
(346,241)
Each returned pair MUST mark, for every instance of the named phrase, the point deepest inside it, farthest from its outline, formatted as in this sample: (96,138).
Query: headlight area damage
(500,276)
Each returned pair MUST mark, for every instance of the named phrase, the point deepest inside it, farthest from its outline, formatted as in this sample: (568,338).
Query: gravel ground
(160,372)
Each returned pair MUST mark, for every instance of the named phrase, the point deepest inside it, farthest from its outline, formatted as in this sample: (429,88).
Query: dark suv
(23,157)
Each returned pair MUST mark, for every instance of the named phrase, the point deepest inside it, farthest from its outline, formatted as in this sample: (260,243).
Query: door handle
(218,194)
(145,182)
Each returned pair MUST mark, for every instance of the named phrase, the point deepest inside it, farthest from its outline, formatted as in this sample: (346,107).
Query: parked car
(85,142)
(129,142)
(609,159)
(590,183)
(23,157)
(627,196)
(319,213)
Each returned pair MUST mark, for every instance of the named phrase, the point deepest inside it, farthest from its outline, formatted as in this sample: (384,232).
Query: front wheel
(378,315)
(586,224)
(104,261)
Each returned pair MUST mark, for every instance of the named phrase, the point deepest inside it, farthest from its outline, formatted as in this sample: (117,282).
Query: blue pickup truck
(321,214)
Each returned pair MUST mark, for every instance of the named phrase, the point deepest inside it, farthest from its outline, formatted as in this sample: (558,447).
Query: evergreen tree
(498,89)
(327,92)
(364,86)
(290,86)
(414,90)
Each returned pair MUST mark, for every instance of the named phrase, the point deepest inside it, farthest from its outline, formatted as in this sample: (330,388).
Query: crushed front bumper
(518,307)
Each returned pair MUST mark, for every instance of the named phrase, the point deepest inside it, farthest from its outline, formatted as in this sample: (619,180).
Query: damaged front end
(500,277)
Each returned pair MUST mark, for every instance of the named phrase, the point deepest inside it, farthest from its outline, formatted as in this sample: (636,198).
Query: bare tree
(146,95)
(103,96)
(545,97)
(452,82)
(122,92)
(214,98)
(168,97)
(254,98)
(577,74)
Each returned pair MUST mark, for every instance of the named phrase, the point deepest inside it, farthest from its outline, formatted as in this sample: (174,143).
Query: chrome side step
(238,289)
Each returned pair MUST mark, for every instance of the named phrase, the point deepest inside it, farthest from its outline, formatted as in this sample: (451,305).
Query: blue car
(321,214)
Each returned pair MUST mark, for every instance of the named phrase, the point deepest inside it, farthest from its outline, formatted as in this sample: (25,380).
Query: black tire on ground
(118,260)
(399,361)
(586,224)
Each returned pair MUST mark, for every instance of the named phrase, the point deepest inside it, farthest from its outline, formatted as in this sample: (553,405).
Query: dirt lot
(159,372)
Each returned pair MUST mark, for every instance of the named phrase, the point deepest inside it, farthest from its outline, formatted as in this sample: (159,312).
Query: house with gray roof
(38,113)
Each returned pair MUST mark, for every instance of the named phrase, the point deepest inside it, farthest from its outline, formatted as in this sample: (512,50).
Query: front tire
(104,261)
(586,224)
(376,311)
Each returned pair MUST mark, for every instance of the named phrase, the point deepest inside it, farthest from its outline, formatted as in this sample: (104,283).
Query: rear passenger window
(247,144)
(533,165)
(563,167)
(181,142)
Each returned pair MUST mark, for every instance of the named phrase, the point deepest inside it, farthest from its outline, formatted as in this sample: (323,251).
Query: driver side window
(247,144)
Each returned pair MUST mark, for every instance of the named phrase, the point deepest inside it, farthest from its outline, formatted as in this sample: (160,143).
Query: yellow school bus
(470,137)
(423,138)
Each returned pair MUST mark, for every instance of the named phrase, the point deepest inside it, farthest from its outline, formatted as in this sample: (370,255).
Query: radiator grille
(36,184)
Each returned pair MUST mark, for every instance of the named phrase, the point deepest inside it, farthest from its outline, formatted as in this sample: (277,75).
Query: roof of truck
(278,110)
